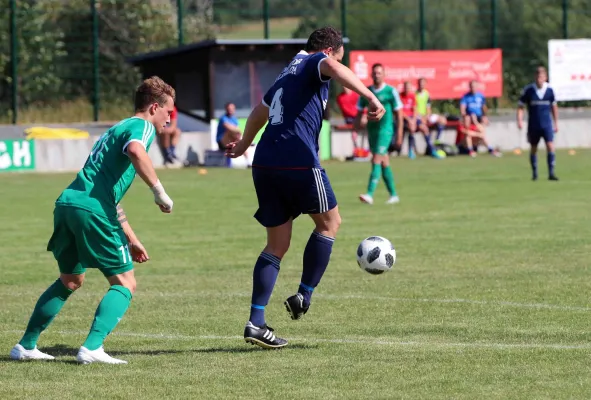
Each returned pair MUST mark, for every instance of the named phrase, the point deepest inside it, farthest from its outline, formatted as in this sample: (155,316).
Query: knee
(278,248)
(130,285)
(72,282)
(330,227)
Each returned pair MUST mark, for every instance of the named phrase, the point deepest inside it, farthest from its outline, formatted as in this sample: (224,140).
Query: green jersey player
(91,230)
(380,134)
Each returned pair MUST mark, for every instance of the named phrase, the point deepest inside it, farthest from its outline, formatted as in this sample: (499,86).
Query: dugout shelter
(208,74)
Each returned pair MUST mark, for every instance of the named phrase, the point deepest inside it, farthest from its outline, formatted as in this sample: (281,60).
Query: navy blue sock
(316,258)
(429,143)
(533,160)
(551,158)
(439,131)
(263,281)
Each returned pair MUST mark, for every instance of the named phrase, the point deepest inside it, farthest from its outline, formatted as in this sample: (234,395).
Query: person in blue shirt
(228,130)
(542,121)
(473,108)
(287,174)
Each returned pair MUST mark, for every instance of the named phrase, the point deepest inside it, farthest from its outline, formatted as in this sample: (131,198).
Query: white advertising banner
(569,64)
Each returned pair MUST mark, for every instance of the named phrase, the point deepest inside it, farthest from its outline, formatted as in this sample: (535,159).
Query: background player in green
(91,230)
(380,134)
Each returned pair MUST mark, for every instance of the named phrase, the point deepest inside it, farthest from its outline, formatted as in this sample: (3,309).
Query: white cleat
(86,356)
(19,353)
(393,200)
(366,198)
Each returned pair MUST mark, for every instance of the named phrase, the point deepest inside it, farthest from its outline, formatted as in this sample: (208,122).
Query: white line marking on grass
(355,341)
(500,303)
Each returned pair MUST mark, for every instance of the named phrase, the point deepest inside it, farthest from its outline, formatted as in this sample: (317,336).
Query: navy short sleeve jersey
(539,102)
(296,104)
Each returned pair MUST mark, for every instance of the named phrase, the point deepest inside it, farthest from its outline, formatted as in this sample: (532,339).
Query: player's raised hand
(162,199)
(138,252)
(376,110)
(236,149)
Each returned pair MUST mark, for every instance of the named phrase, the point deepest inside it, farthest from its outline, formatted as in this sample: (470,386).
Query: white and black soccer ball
(376,255)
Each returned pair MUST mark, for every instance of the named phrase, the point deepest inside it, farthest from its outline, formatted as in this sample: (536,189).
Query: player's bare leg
(264,277)
(48,306)
(316,259)
(110,311)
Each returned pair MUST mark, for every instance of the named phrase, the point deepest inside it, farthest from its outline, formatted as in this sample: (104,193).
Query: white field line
(495,303)
(354,341)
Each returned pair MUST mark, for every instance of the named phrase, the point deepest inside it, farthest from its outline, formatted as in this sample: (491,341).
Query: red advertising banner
(448,72)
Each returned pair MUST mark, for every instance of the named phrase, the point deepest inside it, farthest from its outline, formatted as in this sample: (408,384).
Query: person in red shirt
(347,102)
(411,124)
(169,139)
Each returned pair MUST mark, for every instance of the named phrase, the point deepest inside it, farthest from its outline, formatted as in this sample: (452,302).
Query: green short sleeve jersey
(108,172)
(390,99)
(423,102)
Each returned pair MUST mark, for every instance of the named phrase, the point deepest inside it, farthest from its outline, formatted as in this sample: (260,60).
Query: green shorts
(379,142)
(83,240)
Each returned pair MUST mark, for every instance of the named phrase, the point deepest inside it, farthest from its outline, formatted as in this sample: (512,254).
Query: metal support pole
(266,17)
(95,62)
(180,17)
(422,23)
(14,61)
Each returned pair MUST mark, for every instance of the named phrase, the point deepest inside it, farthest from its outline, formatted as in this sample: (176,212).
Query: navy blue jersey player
(542,121)
(287,175)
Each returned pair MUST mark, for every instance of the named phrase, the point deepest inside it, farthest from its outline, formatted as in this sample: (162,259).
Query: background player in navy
(287,175)
(539,99)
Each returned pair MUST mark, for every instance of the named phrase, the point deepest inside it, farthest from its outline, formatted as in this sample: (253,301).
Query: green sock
(389,179)
(48,306)
(108,314)
(374,178)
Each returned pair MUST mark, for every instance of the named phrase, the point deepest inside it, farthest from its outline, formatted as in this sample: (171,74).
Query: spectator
(412,123)
(347,101)
(468,140)
(169,139)
(473,108)
(424,112)
(228,130)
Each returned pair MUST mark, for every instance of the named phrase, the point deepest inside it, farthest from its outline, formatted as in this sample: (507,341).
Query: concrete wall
(501,133)
(70,155)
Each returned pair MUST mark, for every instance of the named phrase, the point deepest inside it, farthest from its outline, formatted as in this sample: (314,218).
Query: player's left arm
(554,112)
(137,250)
(397,109)
(484,111)
(255,122)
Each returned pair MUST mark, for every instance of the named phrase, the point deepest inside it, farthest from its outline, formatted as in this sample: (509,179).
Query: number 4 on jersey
(276,109)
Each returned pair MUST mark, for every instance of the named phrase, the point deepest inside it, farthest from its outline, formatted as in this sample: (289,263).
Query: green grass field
(489,297)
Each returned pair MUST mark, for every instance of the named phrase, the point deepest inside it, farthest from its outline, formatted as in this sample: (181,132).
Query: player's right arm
(346,77)
(143,166)
(520,108)
(256,120)
(360,121)
(463,106)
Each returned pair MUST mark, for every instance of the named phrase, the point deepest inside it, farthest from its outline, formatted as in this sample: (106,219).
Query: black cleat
(552,178)
(534,177)
(295,306)
(263,337)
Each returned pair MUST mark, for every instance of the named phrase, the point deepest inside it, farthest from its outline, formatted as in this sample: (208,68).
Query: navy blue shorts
(287,193)
(534,137)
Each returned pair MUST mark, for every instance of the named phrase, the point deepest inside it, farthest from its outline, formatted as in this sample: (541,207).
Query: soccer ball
(376,255)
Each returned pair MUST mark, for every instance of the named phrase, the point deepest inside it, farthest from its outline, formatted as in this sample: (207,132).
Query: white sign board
(569,64)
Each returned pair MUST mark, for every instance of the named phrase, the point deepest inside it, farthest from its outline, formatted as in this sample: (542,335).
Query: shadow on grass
(61,350)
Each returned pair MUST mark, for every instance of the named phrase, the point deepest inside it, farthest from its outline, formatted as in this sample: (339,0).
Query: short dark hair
(324,38)
(540,68)
(152,90)
(376,65)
